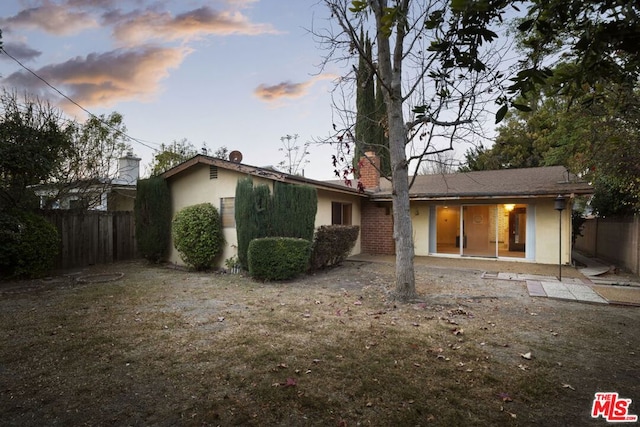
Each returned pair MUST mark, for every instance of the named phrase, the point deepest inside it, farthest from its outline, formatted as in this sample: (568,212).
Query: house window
(228,212)
(340,213)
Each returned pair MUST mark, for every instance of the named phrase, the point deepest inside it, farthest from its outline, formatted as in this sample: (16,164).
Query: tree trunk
(402,226)
(390,69)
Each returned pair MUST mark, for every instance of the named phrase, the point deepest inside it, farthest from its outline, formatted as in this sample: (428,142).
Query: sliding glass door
(479,230)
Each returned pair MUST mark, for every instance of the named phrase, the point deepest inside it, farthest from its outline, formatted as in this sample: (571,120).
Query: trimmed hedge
(197,235)
(29,246)
(332,245)
(278,258)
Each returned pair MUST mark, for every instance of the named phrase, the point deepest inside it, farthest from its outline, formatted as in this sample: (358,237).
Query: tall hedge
(153,218)
(252,207)
(290,212)
(294,210)
(197,235)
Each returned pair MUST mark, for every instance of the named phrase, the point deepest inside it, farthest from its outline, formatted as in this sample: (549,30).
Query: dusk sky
(234,73)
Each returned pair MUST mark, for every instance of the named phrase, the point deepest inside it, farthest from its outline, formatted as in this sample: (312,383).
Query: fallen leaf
(526,355)
(523,367)
(569,386)
(291,382)
(221,319)
(357,303)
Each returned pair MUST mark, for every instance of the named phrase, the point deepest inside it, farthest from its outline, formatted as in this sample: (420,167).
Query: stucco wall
(420,221)
(323,215)
(194,186)
(548,233)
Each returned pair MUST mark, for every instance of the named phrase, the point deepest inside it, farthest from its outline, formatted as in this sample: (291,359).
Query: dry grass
(167,347)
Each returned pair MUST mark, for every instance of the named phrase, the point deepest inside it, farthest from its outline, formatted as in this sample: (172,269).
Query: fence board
(89,238)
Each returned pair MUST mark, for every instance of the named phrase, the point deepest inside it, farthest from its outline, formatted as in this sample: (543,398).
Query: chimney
(129,169)
(369,170)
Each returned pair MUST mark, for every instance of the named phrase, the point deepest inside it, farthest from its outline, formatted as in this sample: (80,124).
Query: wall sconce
(509,207)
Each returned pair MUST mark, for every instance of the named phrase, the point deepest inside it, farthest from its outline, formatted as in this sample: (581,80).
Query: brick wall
(368,173)
(377,229)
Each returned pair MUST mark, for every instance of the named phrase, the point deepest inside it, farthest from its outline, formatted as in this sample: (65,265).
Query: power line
(139,141)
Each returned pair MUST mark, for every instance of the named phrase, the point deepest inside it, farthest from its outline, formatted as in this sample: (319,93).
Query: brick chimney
(369,170)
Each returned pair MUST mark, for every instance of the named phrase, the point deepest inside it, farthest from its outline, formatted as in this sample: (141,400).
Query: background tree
(92,162)
(171,155)
(594,132)
(295,155)
(35,140)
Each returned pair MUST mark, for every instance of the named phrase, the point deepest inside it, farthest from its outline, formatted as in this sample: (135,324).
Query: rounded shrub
(332,244)
(197,235)
(29,246)
(278,258)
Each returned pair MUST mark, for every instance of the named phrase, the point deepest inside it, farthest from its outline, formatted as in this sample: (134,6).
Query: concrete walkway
(569,289)
(540,283)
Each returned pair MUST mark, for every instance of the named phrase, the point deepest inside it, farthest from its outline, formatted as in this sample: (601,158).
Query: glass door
(479,230)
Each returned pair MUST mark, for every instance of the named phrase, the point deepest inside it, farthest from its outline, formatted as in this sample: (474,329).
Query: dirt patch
(168,347)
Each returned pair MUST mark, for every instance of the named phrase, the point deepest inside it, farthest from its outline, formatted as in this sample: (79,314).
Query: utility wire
(139,141)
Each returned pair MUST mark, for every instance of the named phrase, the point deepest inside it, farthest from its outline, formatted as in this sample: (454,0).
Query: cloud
(20,51)
(107,78)
(287,89)
(140,26)
(51,18)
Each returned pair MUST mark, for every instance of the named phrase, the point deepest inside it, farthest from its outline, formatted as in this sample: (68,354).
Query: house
(208,179)
(99,194)
(507,214)
(504,214)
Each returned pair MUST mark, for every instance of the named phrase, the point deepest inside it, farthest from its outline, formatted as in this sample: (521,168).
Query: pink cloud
(107,78)
(140,26)
(51,18)
(287,89)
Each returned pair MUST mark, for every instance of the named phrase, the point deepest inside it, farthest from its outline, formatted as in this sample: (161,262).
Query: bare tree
(433,69)
(295,156)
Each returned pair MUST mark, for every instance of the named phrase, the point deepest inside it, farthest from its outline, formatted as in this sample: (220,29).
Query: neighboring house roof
(502,183)
(267,173)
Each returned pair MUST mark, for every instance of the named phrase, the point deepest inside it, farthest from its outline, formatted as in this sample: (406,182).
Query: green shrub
(29,246)
(153,218)
(278,258)
(332,245)
(197,235)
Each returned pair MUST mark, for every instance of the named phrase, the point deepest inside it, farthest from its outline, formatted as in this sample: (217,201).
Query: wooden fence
(89,238)
(616,240)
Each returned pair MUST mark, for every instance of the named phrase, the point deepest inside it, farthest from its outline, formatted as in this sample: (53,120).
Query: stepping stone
(535,289)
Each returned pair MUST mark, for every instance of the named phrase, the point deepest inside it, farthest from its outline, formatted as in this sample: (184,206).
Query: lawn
(161,346)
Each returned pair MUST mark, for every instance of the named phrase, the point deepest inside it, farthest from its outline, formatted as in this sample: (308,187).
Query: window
(340,213)
(228,212)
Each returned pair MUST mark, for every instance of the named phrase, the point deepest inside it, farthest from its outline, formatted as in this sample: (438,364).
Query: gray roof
(507,183)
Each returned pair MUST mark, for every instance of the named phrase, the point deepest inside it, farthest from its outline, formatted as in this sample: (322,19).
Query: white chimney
(128,169)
